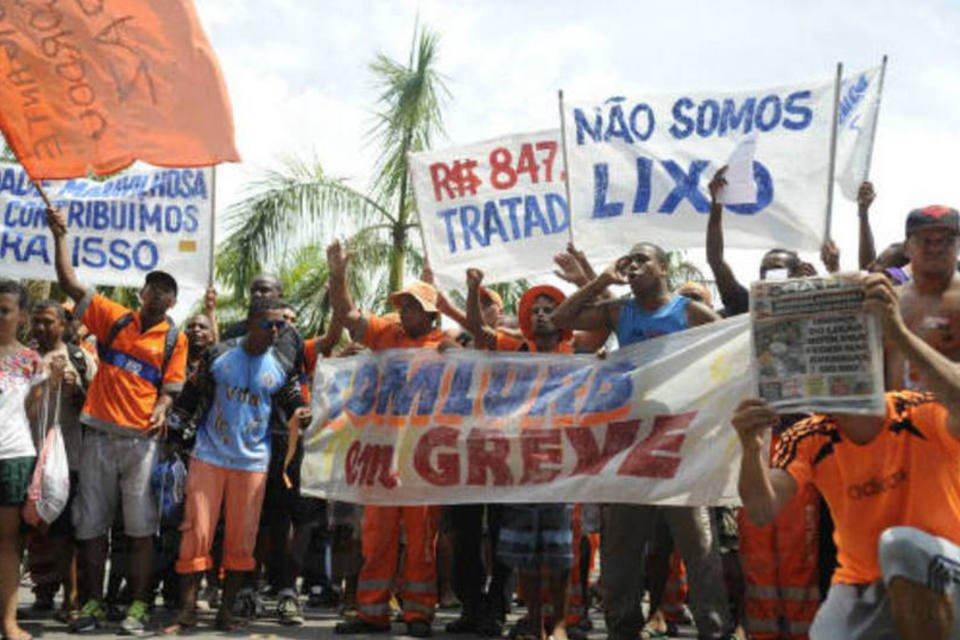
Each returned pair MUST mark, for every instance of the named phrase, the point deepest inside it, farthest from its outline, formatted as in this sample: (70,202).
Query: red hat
(526,302)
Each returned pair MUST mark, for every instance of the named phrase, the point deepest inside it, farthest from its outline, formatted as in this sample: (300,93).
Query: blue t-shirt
(235,432)
(636,324)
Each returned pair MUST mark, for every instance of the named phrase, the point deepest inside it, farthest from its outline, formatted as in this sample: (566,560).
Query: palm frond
(411,98)
(284,209)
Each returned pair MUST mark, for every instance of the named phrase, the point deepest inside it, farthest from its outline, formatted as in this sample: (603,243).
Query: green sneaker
(135,624)
(90,618)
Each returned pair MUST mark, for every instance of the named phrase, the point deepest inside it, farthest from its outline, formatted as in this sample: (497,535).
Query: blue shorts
(536,535)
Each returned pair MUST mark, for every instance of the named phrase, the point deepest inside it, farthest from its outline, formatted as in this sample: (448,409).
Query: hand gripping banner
(649,424)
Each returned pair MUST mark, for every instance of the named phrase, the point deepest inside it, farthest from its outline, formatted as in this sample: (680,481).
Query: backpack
(169,342)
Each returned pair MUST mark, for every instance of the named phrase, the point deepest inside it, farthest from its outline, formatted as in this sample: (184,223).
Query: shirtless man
(930,302)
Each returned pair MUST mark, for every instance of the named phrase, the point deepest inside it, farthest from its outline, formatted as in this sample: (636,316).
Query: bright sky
(298,79)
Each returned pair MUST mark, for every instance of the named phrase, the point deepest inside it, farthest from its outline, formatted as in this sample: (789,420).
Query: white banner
(649,424)
(119,229)
(639,165)
(497,205)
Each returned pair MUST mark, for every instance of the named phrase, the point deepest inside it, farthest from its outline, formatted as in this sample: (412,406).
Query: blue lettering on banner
(616,119)
(641,201)
(186,184)
(711,117)
(601,183)
(803,112)
(685,187)
(683,124)
(504,220)
(852,96)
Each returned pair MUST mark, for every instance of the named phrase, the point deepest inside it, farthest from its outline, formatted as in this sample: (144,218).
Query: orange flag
(92,85)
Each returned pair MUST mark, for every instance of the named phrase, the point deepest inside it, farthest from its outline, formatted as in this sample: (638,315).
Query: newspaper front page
(814,348)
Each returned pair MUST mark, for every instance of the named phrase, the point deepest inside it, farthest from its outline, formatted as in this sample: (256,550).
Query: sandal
(649,633)
(20,635)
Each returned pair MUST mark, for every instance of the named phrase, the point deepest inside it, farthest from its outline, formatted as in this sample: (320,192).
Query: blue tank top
(637,325)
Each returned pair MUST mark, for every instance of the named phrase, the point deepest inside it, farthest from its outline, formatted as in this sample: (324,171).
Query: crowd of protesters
(184,464)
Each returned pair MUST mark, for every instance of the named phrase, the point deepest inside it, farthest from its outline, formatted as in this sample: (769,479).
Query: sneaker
(289,611)
(135,624)
(248,604)
(90,618)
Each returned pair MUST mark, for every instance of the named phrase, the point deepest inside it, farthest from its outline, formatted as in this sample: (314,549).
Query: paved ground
(319,625)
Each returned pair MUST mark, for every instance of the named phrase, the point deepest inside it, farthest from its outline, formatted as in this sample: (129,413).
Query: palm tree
(297,205)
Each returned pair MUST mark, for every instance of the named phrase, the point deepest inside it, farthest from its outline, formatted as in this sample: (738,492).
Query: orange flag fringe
(92,85)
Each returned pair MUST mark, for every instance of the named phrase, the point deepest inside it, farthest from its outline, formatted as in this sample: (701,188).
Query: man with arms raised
(650,312)
(892,484)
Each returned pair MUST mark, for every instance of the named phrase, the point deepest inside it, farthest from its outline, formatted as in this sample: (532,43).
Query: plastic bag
(168,481)
(49,488)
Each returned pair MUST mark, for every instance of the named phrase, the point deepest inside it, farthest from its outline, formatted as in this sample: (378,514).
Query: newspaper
(814,347)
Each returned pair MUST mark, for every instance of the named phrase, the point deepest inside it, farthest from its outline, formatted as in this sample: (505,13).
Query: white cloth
(20,370)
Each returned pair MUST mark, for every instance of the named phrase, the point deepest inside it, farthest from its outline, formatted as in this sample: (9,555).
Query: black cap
(162,279)
(934,216)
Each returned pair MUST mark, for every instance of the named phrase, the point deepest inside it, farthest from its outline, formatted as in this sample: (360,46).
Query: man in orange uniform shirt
(380,537)
(892,484)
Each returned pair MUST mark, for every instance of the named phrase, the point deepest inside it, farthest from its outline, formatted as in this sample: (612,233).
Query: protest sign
(649,424)
(497,205)
(815,349)
(90,86)
(639,165)
(119,229)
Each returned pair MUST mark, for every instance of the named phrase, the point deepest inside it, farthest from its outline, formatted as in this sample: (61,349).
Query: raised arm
(210,310)
(579,311)
(576,269)
(344,310)
(726,282)
(66,276)
(444,305)
(329,340)
(764,491)
(941,374)
(484,337)
(868,252)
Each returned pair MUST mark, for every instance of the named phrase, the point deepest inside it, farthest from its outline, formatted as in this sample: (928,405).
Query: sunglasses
(268,325)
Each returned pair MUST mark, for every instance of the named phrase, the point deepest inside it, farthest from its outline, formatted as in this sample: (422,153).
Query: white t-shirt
(19,372)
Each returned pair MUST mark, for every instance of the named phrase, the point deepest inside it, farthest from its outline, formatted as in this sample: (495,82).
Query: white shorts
(112,467)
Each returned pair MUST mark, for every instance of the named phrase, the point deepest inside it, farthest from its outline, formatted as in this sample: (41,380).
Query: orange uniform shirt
(908,475)
(508,342)
(310,355)
(118,399)
(386,334)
